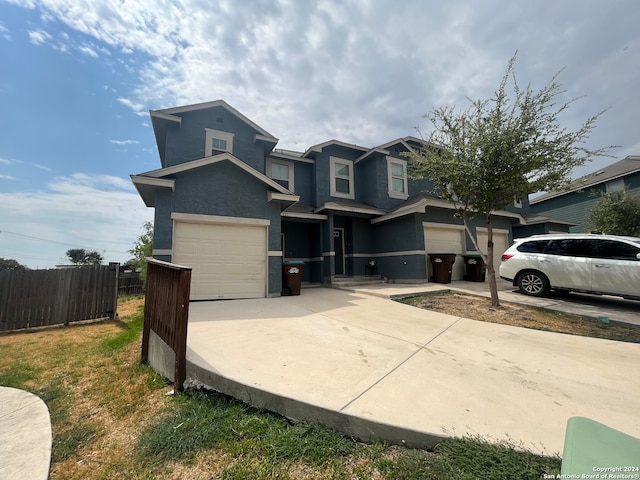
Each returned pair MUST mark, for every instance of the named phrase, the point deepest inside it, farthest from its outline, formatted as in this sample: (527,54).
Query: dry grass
(479,308)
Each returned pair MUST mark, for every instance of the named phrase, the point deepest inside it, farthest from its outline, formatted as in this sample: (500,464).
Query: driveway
(381,370)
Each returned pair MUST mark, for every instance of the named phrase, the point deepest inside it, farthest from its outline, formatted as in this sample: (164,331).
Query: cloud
(88,51)
(100,212)
(4,32)
(6,177)
(138,108)
(38,37)
(125,142)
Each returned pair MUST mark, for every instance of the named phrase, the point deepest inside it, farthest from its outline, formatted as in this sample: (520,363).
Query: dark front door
(338,247)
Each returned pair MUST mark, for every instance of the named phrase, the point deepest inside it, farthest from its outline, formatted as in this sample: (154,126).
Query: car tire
(534,284)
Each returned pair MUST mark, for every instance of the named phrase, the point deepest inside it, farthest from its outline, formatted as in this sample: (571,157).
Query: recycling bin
(292,271)
(475,269)
(441,264)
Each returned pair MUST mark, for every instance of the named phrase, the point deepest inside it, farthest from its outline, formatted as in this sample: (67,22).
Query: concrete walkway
(378,369)
(25,436)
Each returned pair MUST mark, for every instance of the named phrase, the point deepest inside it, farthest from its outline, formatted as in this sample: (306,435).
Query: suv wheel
(533,283)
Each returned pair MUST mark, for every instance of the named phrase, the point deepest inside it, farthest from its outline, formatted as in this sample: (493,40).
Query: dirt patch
(479,308)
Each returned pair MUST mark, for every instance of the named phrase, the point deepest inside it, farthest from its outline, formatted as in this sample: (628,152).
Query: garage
(228,260)
(500,243)
(439,238)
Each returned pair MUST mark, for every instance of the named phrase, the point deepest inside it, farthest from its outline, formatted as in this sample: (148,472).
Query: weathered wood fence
(130,283)
(40,298)
(166,312)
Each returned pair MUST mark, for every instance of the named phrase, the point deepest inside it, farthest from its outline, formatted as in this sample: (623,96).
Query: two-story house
(233,207)
(574,204)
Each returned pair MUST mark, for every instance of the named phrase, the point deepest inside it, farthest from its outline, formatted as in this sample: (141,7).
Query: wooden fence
(166,312)
(40,298)
(130,283)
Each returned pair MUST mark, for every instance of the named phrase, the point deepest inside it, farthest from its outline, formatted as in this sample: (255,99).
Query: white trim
(329,254)
(162,251)
(274,253)
(393,194)
(211,135)
(318,148)
(495,230)
(309,216)
(306,260)
(278,154)
(367,154)
(332,178)
(156,182)
(264,138)
(344,247)
(290,167)
(387,254)
(418,207)
(211,219)
(165,116)
(348,208)
(282,196)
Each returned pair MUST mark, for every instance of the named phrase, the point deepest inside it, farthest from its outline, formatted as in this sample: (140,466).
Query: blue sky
(78,77)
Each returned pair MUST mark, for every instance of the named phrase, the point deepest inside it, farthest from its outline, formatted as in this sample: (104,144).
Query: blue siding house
(574,204)
(233,207)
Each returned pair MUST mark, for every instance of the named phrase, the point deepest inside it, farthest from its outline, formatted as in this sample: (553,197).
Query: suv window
(571,247)
(533,246)
(614,250)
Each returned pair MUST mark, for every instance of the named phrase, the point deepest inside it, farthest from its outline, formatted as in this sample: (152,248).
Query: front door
(338,247)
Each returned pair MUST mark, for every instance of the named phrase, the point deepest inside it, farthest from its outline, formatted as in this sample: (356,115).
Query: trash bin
(475,268)
(442,264)
(292,271)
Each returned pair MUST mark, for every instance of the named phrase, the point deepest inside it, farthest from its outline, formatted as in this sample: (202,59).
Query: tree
(501,149)
(10,264)
(80,256)
(142,249)
(616,214)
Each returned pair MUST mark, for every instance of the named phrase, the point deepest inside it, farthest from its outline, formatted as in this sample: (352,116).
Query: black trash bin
(442,263)
(475,268)
(292,271)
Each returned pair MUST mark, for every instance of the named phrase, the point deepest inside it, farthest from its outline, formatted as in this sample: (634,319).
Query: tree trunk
(493,287)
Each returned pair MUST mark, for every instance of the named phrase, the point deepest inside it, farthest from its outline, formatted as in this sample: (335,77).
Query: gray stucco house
(233,207)
(573,205)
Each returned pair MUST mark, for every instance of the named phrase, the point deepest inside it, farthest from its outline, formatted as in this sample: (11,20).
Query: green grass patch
(131,330)
(68,442)
(199,420)
(19,374)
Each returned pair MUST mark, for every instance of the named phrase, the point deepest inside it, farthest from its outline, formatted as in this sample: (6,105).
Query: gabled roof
(419,203)
(318,148)
(146,183)
(351,206)
(161,118)
(404,141)
(622,168)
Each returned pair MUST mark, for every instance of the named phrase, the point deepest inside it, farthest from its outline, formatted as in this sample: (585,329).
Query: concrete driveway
(377,369)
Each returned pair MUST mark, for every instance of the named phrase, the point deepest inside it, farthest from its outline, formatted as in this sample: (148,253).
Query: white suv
(601,264)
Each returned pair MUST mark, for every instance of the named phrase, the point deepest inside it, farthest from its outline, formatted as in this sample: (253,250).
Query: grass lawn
(112,418)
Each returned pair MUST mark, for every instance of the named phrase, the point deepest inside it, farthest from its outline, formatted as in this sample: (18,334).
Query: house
(574,204)
(233,207)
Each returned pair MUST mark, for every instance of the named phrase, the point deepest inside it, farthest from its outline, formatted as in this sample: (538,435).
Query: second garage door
(228,261)
(500,244)
(439,239)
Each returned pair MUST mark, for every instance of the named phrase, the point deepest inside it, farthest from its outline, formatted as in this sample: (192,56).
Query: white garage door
(500,244)
(439,239)
(228,261)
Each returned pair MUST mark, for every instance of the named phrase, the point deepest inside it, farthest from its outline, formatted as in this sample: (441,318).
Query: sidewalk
(25,436)
(614,308)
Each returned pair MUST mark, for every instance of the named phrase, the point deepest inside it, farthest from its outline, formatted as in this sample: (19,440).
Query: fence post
(115,266)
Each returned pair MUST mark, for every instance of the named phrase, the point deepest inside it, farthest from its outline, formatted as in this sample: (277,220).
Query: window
(534,246)
(281,172)
(397,178)
(217,142)
(517,202)
(572,247)
(341,178)
(614,250)
(616,185)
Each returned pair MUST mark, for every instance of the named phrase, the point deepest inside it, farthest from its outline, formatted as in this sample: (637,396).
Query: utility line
(31,237)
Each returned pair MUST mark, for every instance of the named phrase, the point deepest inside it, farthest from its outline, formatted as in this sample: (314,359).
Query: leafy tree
(142,249)
(80,256)
(501,149)
(616,213)
(10,264)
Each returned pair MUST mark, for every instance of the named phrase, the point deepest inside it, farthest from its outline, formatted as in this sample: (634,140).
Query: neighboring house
(574,204)
(230,205)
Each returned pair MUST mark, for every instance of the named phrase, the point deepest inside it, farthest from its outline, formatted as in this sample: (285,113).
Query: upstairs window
(616,185)
(341,178)
(281,172)
(397,178)
(217,142)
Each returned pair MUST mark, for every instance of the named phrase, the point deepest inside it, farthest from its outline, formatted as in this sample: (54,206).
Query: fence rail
(40,298)
(130,283)
(166,312)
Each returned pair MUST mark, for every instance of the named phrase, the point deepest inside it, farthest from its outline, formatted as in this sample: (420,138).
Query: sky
(78,78)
